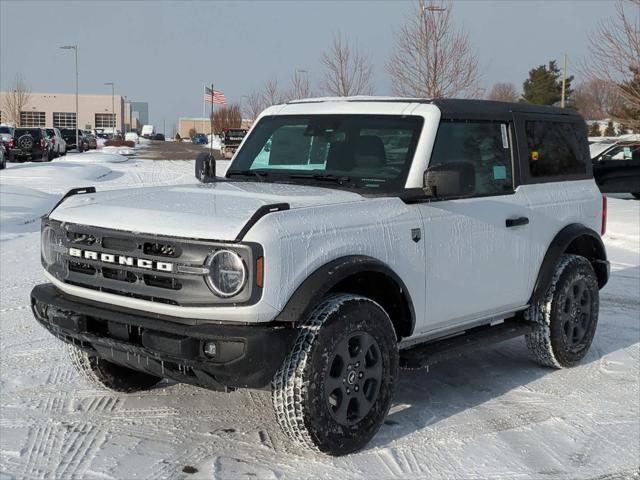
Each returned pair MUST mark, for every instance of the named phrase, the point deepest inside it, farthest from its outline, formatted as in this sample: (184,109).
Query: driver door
(477,240)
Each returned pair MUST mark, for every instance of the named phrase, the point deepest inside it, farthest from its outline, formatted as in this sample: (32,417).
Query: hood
(215,211)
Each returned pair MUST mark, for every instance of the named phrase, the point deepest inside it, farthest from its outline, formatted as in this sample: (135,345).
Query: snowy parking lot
(490,414)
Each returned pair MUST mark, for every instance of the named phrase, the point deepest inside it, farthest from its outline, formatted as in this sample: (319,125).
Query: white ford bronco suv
(349,237)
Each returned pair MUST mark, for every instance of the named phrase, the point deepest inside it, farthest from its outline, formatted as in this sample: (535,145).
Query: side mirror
(205,168)
(607,157)
(455,179)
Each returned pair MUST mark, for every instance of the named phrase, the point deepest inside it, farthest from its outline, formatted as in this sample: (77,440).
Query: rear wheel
(567,316)
(335,387)
(105,375)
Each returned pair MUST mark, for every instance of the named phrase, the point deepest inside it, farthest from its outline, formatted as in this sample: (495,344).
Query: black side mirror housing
(455,179)
(205,168)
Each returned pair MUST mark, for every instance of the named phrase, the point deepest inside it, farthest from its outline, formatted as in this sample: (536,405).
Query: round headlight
(49,239)
(227,273)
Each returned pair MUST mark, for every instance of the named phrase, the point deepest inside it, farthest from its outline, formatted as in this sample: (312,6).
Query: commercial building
(59,110)
(200,125)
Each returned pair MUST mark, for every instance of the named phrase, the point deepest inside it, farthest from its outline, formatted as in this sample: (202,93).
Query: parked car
(59,145)
(132,137)
(616,168)
(159,137)
(3,156)
(320,267)
(231,141)
(199,139)
(30,144)
(92,142)
(6,134)
(69,136)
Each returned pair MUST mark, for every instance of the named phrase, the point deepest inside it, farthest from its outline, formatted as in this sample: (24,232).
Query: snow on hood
(216,211)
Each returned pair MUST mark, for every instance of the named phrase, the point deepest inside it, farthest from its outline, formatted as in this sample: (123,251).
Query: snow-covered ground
(490,414)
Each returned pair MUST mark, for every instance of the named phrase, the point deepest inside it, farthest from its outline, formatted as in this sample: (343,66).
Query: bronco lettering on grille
(121,260)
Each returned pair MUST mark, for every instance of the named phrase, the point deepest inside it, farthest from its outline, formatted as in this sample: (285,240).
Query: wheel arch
(576,239)
(356,274)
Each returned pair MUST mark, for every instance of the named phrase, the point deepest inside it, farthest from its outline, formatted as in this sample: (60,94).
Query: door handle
(517,222)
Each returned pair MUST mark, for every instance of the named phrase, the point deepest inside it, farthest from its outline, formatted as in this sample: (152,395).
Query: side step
(435,351)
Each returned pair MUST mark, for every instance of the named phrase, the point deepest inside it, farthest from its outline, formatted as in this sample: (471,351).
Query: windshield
(5,130)
(364,152)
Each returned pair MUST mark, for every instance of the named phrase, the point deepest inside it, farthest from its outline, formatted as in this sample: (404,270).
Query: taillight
(42,143)
(603,228)
(12,143)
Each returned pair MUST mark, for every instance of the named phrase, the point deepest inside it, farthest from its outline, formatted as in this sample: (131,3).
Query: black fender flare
(321,281)
(560,245)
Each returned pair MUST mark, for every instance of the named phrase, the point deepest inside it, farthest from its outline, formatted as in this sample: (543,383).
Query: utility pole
(564,82)
(113,110)
(433,9)
(75,49)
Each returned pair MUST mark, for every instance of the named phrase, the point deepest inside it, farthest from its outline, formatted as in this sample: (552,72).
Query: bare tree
(431,58)
(299,86)
(254,105)
(614,56)
(16,99)
(347,70)
(503,92)
(596,99)
(225,117)
(271,94)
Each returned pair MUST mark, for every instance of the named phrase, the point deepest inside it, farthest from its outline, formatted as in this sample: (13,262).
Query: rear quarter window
(34,132)
(556,149)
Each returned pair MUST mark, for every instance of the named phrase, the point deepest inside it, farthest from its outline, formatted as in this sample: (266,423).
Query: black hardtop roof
(490,109)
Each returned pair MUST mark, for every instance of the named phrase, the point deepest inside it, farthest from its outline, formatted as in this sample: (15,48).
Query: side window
(484,146)
(555,149)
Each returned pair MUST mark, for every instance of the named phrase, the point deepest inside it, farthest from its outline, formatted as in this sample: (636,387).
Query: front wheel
(335,388)
(567,316)
(106,375)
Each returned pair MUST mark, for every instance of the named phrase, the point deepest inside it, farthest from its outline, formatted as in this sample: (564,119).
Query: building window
(105,120)
(32,119)
(64,119)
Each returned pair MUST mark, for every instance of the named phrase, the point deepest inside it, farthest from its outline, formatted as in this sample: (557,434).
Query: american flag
(214,96)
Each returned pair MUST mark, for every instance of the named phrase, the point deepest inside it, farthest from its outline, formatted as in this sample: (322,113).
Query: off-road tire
(565,306)
(300,391)
(105,375)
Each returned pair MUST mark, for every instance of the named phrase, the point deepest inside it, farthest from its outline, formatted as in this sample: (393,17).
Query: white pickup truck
(349,237)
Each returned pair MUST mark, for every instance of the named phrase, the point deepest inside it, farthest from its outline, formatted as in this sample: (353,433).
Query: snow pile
(29,190)
(104,156)
(215,143)
(127,151)
(20,206)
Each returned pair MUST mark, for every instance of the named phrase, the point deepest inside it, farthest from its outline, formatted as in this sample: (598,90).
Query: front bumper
(247,356)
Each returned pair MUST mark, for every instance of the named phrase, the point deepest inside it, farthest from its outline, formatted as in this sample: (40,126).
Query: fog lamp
(210,349)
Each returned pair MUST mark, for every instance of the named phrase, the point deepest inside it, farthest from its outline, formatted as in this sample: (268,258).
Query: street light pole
(113,110)
(75,49)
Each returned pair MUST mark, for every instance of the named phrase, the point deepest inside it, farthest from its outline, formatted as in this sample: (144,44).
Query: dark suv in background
(69,136)
(30,144)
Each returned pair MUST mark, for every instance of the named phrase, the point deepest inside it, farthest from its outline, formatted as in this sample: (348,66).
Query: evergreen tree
(610,131)
(594,130)
(544,85)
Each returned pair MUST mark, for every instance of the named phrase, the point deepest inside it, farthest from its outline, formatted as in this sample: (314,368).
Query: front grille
(123,276)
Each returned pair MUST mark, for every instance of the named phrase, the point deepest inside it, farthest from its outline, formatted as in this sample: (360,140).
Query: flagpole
(204,102)
(211,126)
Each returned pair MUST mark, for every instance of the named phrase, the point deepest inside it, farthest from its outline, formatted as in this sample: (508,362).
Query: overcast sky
(163,52)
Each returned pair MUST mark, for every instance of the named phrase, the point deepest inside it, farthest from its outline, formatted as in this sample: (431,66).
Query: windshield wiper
(248,173)
(322,176)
